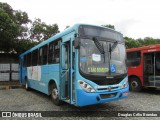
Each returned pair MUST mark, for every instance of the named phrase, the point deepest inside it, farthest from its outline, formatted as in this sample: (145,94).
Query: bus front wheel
(54,95)
(135,84)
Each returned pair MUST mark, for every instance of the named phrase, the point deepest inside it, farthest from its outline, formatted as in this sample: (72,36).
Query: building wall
(8,67)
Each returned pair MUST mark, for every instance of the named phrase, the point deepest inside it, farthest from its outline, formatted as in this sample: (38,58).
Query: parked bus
(84,65)
(144,67)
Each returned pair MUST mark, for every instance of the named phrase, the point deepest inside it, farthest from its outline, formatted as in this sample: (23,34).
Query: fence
(8,72)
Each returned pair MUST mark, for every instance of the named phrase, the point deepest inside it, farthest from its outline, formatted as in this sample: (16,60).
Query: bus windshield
(93,62)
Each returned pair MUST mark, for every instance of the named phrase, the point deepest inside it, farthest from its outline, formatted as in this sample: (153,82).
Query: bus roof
(59,35)
(144,48)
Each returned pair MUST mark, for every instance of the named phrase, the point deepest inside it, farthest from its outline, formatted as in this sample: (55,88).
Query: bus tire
(55,95)
(26,85)
(135,84)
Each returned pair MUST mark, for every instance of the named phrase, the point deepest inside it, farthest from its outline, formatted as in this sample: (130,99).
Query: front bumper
(84,98)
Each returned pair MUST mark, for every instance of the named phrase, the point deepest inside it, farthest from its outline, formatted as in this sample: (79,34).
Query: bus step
(67,100)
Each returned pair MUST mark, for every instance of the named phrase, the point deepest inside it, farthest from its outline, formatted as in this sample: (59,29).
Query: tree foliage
(67,26)
(131,43)
(24,45)
(17,36)
(12,27)
(40,31)
(8,28)
(109,26)
(15,33)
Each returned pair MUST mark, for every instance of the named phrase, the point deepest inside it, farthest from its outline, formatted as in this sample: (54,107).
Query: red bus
(144,67)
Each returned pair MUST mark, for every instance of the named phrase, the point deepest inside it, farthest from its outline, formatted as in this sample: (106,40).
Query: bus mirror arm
(76,43)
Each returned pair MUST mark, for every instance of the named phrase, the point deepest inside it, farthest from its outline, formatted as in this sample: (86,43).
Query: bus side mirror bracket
(76,43)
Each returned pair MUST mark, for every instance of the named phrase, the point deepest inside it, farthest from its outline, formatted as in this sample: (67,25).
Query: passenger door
(66,71)
(157,69)
(152,69)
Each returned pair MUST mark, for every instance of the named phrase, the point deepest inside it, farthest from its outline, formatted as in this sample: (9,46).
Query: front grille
(102,89)
(107,88)
(103,96)
(108,81)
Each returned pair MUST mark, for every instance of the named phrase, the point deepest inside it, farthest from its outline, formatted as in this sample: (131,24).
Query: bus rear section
(144,67)
(88,67)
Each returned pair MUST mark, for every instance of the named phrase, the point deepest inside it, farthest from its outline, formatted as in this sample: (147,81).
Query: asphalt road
(22,100)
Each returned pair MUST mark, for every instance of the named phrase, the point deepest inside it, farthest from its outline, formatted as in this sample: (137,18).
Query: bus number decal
(97,69)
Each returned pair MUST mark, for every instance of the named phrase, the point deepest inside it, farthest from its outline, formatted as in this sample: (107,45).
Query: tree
(8,31)
(109,26)
(13,27)
(67,26)
(148,41)
(23,45)
(40,31)
(131,43)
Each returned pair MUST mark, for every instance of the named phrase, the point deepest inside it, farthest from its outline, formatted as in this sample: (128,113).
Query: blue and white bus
(83,65)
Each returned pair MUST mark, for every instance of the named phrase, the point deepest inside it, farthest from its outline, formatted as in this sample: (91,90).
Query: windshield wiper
(98,45)
(113,46)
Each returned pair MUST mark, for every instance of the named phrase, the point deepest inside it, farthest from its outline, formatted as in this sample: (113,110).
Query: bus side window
(51,53)
(54,52)
(43,55)
(35,57)
(133,58)
(158,61)
(28,60)
(57,52)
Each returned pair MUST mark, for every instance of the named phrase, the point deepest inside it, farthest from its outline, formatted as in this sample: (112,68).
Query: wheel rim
(55,93)
(134,84)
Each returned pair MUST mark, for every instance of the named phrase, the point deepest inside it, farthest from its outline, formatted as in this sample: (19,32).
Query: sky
(133,18)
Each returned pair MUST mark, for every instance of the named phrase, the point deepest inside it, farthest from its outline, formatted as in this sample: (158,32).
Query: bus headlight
(125,84)
(86,87)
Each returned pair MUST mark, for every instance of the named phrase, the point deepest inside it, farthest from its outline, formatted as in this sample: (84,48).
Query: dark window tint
(51,53)
(54,52)
(57,52)
(133,58)
(28,59)
(35,57)
(157,61)
(100,32)
(43,55)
